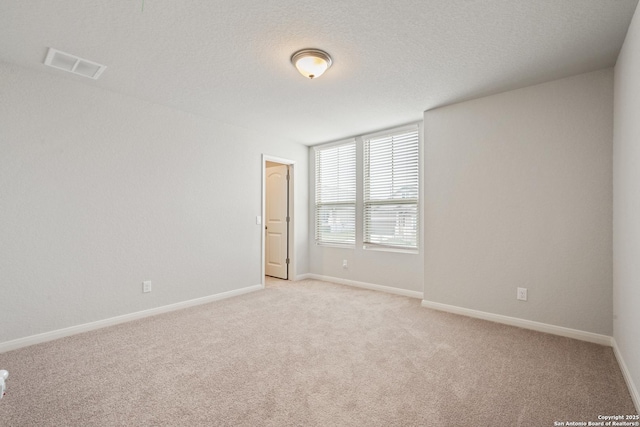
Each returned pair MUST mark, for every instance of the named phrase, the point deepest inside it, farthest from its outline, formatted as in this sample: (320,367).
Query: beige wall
(518,193)
(626,206)
(99,192)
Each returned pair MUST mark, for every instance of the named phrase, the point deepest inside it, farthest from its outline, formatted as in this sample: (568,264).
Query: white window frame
(339,199)
(413,203)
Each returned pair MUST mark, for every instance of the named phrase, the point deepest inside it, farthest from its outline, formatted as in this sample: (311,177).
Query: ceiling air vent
(73,64)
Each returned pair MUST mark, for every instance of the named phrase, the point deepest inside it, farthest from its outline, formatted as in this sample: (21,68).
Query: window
(336,194)
(391,177)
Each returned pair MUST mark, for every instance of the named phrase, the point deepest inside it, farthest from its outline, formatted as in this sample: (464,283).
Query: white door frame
(292,255)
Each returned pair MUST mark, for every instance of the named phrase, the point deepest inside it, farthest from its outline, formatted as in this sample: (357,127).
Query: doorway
(277,208)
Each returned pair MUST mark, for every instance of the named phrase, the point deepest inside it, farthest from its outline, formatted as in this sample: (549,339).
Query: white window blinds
(336,194)
(391,177)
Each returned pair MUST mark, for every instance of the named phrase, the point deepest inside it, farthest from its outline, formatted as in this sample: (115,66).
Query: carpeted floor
(311,354)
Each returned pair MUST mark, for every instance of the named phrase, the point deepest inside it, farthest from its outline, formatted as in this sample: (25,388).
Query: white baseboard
(302,277)
(522,323)
(364,285)
(60,333)
(633,390)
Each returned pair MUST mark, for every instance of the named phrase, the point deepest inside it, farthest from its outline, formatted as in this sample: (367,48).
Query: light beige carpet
(311,354)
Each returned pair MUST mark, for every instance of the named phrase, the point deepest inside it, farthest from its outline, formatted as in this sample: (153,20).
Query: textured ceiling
(229,60)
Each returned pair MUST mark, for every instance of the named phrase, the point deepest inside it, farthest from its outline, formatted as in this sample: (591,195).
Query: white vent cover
(73,64)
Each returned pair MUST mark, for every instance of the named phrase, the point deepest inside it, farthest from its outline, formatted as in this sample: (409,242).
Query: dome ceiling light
(311,63)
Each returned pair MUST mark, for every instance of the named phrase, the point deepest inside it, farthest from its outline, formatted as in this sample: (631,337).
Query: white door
(276,224)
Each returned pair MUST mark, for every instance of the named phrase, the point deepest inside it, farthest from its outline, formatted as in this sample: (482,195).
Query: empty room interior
(308,213)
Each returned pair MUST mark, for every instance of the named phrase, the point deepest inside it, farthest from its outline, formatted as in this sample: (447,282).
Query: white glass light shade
(311,63)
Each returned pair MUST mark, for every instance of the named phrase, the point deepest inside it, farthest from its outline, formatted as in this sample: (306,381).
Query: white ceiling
(229,60)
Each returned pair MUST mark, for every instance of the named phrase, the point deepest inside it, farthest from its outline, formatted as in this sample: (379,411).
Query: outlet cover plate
(522,294)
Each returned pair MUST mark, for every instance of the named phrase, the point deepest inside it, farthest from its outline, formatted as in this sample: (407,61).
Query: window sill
(335,245)
(390,249)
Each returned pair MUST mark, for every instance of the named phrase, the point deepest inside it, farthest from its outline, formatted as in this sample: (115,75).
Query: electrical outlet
(522,294)
(146,286)
(344,263)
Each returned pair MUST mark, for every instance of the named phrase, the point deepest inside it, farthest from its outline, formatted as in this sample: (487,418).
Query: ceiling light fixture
(311,63)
